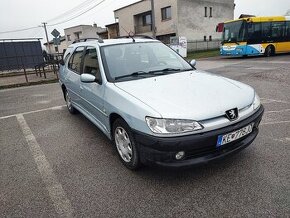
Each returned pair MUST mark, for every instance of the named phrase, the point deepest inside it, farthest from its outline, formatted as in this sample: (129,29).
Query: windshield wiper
(135,74)
(162,71)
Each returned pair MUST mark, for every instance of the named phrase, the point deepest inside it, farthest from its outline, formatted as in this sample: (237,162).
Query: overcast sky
(19,14)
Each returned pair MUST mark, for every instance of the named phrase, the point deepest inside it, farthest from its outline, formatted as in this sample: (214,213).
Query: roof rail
(86,39)
(135,36)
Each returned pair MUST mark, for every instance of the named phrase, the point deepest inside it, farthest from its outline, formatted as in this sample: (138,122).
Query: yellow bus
(256,36)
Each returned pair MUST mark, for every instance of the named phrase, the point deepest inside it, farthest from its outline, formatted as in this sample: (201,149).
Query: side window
(278,30)
(287,30)
(254,32)
(91,64)
(266,31)
(75,60)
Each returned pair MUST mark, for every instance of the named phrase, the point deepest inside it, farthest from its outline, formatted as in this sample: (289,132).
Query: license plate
(233,136)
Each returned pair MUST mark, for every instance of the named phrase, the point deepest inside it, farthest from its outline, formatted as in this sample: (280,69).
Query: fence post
(25,74)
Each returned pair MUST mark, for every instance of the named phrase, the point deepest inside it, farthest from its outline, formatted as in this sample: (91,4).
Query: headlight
(172,126)
(257,102)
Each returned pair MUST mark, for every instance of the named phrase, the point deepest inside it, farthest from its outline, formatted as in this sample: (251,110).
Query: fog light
(179,155)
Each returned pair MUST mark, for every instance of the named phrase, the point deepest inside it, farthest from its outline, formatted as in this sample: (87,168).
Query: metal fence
(16,55)
(25,57)
(203,45)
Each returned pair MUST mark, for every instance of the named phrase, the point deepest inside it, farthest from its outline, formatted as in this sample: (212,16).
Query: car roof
(107,42)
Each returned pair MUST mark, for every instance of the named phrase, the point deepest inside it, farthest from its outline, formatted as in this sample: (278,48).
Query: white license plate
(230,137)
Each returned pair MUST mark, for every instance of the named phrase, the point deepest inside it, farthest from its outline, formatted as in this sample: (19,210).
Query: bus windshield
(234,32)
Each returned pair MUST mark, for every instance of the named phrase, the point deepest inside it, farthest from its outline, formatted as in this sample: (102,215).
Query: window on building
(204,38)
(166,13)
(91,64)
(210,12)
(210,38)
(146,19)
(68,38)
(75,61)
(78,35)
(205,11)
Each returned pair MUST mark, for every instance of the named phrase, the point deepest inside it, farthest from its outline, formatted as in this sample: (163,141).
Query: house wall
(188,17)
(168,26)
(126,16)
(192,22)
(128,20)
(87,31)
(113,31)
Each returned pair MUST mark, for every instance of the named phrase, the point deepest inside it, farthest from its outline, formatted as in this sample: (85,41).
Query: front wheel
(125,144)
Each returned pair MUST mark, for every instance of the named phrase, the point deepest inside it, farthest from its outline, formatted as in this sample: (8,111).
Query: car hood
(190,95)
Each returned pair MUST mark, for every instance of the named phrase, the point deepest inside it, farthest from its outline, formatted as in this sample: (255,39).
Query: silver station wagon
(155,106)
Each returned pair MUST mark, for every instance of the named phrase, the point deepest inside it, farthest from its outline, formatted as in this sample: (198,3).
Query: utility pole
(153,19)
(44,26)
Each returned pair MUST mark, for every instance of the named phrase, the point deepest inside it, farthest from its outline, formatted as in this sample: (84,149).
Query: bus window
(266,31)
(254,32)
(278,31)
(287,32)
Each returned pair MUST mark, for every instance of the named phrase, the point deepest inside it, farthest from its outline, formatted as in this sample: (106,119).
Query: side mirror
(192,63)
(87,78)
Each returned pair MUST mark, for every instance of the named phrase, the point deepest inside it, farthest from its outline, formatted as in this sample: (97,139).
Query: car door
(72,79)
(92,93)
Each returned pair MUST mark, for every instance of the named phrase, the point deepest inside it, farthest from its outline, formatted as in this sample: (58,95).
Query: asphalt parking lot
(56,164)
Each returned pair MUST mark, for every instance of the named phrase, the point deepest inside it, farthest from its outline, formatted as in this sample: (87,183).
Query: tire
(69,105)
(269,51)
(125,145)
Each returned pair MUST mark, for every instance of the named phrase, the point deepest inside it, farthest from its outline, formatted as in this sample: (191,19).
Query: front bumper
(198,148)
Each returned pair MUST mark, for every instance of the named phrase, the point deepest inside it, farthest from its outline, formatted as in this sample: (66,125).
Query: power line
(91,8)
(73,10)
(64,21)
(20,30)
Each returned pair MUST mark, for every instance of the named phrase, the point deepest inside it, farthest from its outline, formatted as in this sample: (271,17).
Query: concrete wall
(192,22)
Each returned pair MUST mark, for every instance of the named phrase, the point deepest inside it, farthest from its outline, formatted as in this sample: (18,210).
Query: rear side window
(75,60)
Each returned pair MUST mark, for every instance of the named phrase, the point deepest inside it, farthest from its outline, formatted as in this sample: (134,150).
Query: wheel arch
(112,118)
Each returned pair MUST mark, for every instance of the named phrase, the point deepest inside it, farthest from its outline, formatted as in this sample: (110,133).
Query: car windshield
(141,60)
(234,32)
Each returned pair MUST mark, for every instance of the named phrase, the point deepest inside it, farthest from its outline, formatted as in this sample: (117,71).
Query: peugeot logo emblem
(232,114)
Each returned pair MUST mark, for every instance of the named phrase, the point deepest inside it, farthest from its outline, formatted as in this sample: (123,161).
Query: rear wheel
(269,51)
(125,144)
(69,105)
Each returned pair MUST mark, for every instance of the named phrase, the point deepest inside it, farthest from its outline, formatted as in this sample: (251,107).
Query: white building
(194,19)
(82,31)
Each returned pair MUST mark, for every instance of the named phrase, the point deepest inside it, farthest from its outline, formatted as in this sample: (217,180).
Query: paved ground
(53,163)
